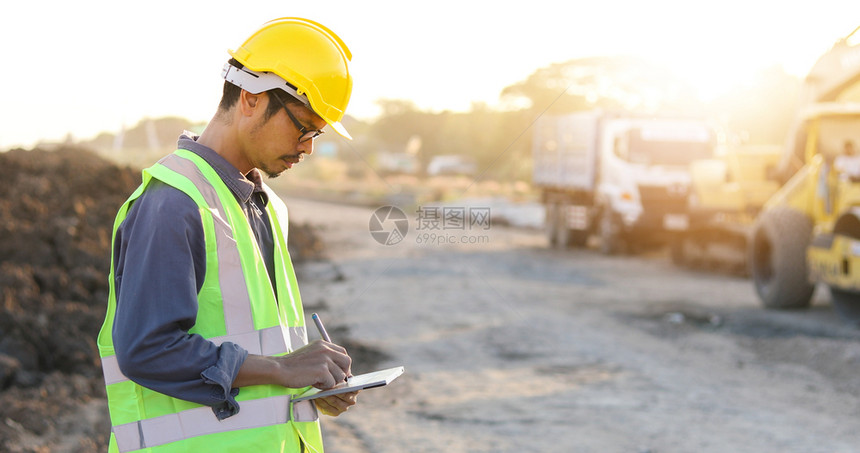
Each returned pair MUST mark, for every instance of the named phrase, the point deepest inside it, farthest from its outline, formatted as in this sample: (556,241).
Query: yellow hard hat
(310,58)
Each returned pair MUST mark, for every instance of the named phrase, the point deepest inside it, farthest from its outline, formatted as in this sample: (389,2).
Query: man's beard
(271,175)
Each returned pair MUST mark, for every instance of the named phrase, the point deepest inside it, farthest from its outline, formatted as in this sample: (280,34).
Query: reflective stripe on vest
(234,289)
(261,342)
(157,431)
(239,323)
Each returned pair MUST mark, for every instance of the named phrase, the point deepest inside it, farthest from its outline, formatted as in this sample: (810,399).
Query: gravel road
(509,346)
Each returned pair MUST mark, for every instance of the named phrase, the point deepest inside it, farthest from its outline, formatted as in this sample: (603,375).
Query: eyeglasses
(305,133)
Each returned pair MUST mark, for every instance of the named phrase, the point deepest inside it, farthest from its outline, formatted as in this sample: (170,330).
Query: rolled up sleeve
(221,375)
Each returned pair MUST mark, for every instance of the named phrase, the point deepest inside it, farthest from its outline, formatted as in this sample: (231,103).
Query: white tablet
(360,382)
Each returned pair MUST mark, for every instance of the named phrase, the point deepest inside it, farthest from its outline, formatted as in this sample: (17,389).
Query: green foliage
(145,142)
(500,140)
(488,135)
(610,83)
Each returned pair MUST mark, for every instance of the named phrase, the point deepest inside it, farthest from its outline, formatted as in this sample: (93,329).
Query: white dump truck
(622,178)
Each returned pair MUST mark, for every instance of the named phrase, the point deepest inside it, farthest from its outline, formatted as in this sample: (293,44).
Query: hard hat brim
(338,127)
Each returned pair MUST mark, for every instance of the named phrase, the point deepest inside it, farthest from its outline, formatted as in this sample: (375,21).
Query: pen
(325,337)
(321,327)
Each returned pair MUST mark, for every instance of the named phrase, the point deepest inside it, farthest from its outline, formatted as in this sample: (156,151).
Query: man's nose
(306,147)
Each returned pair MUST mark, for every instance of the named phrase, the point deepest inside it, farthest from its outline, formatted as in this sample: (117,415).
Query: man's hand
(320,364)
(335,405)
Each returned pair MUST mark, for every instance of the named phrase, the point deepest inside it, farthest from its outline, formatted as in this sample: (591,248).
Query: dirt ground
(509,346)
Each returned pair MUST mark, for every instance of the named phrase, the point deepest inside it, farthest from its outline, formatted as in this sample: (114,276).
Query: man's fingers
(344,362)
(330,376)
(334,346)
(336,404)
(337,373)
(337,354)
(326,408)
(347,398)
(340,358)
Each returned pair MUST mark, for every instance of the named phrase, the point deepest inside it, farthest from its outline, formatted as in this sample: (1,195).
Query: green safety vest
(236,303)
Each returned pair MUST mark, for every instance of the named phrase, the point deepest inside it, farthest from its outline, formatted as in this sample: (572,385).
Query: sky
(89,66)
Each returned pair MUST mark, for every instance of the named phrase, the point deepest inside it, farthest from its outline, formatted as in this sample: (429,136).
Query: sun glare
(440,62)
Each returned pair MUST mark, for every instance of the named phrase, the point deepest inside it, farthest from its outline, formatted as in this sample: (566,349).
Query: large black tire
(777,260)
(609,229)
(847,304)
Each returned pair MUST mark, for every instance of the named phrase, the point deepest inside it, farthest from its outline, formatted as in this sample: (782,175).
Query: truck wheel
(562,236)
(847,304)
(778,258)
(578,238)
(610,232)
(562,233)
(550,223)
(677,250)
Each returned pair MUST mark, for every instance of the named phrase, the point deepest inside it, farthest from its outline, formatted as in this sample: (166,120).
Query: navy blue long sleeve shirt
(160,263)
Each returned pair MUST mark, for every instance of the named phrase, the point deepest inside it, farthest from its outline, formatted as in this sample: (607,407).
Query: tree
(612,83)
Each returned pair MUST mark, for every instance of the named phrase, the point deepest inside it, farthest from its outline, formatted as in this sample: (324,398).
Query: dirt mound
(56,215)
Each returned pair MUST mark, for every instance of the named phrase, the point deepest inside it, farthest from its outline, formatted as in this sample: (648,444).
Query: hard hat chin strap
(258,82)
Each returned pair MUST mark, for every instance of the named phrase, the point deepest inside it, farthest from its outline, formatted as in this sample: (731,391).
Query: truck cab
(619,177)
(645,176)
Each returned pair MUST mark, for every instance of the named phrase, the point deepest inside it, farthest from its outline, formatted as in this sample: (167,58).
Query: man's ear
(249,103)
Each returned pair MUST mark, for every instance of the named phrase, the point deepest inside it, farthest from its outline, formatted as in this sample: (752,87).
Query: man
(847,164)
(204,342)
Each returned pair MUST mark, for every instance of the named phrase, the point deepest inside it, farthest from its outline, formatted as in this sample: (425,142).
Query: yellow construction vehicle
(726,194)
(809,231)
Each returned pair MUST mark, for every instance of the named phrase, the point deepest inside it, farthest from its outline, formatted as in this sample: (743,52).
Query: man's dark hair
(230,96)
